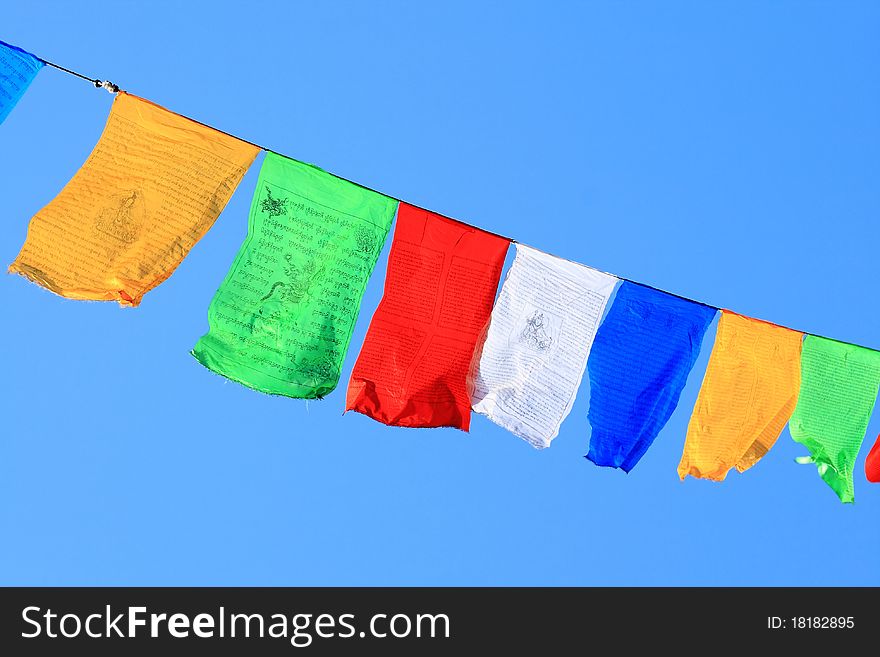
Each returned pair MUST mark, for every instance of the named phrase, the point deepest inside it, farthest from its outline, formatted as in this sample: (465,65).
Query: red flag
(441,282)
(872,463)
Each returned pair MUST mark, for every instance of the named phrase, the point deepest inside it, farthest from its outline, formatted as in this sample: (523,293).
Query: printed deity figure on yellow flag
(152,187)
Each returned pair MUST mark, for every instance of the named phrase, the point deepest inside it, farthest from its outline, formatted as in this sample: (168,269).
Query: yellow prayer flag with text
(151,188)
(749,392)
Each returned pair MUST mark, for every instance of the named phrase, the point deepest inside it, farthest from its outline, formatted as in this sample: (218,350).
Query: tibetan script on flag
(539,337)
(18,69)
(283,317)
(152,187)
(749,391)
(838,389)
(639,365)
(413,367)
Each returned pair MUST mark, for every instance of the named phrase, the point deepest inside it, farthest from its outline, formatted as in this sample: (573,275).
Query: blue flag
(17,70)
(638,367)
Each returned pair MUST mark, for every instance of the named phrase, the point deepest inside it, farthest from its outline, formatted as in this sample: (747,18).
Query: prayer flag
(413,367)
(749,391)
(639,365)
(283,317)
(538,341)
(839,385)
(152,187)
(872,463)
(18,69)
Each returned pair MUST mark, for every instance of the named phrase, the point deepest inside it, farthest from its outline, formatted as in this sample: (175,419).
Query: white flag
(538,340)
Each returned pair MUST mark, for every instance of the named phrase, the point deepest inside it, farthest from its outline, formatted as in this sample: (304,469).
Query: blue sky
(728,151)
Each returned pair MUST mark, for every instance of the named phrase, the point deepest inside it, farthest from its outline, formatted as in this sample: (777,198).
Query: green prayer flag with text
(283,317)
(839,385)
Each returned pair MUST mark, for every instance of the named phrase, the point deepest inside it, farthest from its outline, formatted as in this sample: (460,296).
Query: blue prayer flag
(638,367)
(18,68)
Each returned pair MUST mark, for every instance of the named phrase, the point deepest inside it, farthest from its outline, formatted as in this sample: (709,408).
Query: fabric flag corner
(441,281)
(528,371)
(872,463)
(282,319)
(18,68)
(151,188)
(749,392)
(839,384)
(639,365)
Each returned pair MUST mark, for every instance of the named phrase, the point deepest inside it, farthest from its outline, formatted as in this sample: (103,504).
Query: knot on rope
(106,84)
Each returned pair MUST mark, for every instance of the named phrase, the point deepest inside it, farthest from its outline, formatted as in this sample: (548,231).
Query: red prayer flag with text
(441,283)
(872,463)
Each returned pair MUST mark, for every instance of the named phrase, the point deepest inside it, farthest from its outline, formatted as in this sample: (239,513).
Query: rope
(113,88)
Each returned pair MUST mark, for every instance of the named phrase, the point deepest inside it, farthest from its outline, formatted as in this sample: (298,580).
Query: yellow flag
(152,187)
(749,392)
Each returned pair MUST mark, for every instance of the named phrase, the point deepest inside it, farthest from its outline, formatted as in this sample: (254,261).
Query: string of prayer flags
(539,337)
(151,188)
(282,319)
(872,463)
(643,353)
(441,281)
(749,392)
(18,68)
(839,384)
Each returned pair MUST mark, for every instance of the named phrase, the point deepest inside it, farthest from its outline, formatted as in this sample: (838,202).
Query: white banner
(539,337)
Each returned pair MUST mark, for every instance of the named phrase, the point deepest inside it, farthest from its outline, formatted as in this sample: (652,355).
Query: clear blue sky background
(728,151)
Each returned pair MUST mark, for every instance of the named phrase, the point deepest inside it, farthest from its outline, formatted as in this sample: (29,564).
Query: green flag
(839,385)
(282,319)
